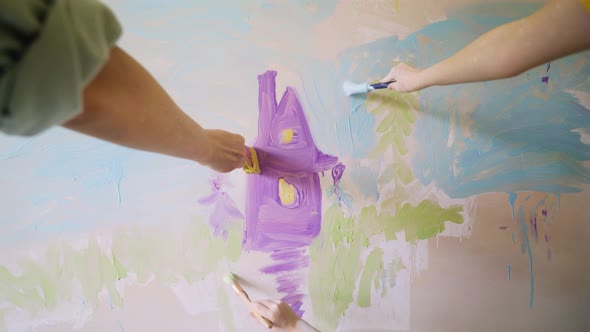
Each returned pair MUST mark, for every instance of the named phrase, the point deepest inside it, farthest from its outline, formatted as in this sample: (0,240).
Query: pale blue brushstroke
(525,247)
(92,166)
(512,200)
(350,129)
(365,180)
(509,268)
(510,124)
(512,237)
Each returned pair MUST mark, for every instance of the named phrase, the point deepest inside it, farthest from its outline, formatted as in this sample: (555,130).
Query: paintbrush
(252,166)
(232,279)
(353,88)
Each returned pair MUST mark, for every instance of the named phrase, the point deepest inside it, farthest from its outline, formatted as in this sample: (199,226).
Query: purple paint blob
(224,207)
(545,79)
(271,226)
(284,230)
(337,172)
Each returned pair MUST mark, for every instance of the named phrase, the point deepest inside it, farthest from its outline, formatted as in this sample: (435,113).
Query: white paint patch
(583,97)
(584,136)
(191,295)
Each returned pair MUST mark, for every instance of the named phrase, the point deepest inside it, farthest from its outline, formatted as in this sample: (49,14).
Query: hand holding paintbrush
(231,279)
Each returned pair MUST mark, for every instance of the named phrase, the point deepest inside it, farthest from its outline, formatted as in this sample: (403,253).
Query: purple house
(283,208)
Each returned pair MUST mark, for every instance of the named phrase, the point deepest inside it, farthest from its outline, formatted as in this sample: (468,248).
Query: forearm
(479,61)
(558,29)
(125,105)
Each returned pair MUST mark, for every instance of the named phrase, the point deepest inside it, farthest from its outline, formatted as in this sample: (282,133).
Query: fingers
(393,86)
(389,76)
(268,309)
(261,308)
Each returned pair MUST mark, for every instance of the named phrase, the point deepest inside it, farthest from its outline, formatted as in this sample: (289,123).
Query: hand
(280,314)
(225,151)
(407,78)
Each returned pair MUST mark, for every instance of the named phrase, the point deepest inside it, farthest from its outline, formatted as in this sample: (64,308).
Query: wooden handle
(242,293)
(262,320)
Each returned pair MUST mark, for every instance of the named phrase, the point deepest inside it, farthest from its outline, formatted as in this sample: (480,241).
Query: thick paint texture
(509,135)
(65,274)
(269,224)
(283,208)
(336,265)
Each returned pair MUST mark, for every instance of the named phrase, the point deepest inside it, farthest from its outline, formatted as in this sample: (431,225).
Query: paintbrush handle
(242,293)
(381,85)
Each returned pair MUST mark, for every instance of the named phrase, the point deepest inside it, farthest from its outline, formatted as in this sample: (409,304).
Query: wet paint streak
(272,226)
(533,222)
(373,267)
(548,245)
(525,247)
(224,207)
(512,200)
(289,278)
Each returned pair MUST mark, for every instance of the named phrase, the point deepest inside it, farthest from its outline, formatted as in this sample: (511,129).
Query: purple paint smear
(284,231)
(545,79)
(224,207)
(342,198)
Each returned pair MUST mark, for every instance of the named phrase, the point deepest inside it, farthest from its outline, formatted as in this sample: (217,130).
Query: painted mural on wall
(345,231)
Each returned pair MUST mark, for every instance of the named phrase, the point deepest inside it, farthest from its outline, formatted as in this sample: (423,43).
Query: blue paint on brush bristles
(351,88)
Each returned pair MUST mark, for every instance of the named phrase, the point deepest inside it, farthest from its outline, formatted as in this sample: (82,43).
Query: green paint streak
(120,270)
(335,266)
(373,268)
(423,221)
(166,255)
(336,254)
(397,111)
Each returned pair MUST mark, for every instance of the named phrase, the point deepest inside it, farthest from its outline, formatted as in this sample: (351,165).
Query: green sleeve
(49,51)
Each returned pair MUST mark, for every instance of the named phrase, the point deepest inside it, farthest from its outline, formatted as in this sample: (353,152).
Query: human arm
(125,105)
(284,319)
(558,29)
(59,64)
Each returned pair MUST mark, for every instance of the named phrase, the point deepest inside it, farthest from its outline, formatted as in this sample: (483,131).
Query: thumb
(388,77)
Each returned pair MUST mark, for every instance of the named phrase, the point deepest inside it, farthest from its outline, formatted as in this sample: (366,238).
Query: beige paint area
(466,286)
